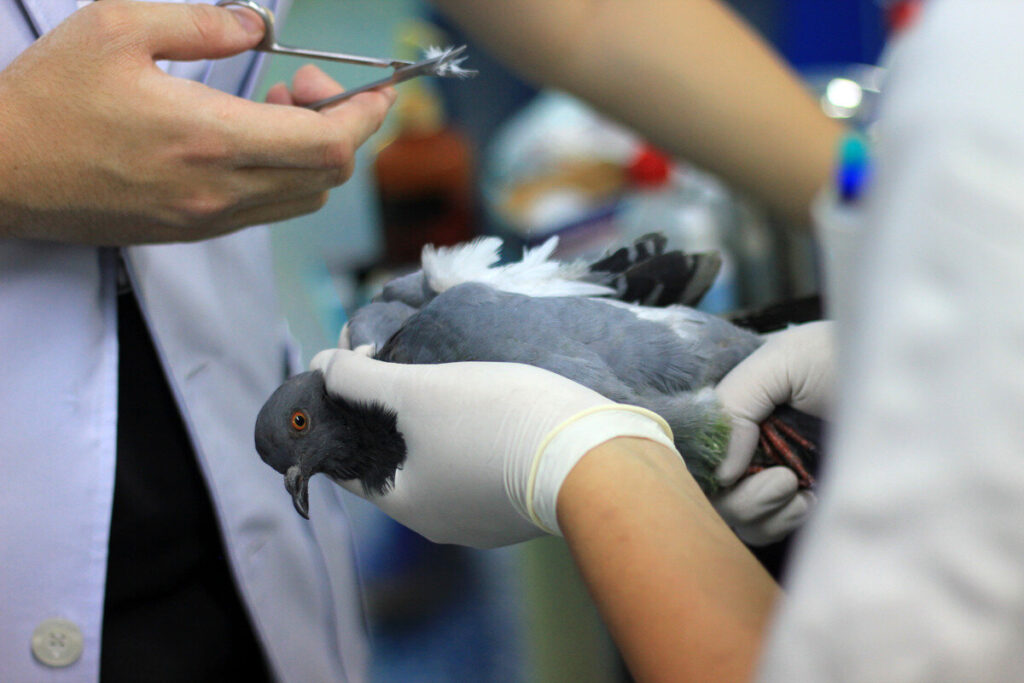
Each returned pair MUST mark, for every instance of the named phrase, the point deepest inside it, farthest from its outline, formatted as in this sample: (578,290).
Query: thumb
(322,360)
(357,377)
(190,32)
(748,395)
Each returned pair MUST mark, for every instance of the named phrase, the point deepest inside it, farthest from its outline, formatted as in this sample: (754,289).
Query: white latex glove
(489,444)
(797,367)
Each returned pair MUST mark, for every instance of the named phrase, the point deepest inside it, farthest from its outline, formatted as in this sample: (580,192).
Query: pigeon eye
(300,421)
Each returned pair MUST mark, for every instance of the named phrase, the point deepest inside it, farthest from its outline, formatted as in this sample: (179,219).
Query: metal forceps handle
(426,67)
(270,44)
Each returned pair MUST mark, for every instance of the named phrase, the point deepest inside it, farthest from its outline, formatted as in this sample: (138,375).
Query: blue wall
(826,31)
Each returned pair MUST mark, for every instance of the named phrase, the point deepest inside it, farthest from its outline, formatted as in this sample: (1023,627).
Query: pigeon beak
(298,486)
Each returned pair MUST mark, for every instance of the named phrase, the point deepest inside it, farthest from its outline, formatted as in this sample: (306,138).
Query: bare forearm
(682,596)
(690,76)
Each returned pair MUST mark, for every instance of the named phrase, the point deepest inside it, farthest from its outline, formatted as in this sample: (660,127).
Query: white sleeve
(913,567)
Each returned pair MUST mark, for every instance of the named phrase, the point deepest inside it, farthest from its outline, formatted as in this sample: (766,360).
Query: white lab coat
(912,568)
(213,313)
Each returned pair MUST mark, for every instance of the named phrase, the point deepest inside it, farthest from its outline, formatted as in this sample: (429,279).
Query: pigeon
(568,318)
(640,272)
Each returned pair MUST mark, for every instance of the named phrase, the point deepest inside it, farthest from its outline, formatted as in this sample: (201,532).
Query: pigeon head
(302,430)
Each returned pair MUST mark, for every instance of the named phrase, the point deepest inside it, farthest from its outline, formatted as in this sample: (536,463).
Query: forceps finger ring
(438,62)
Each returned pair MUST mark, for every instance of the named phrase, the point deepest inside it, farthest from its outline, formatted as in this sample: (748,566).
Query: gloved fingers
(343,379)
(743,440)
(345,337)
(758,384)
(475,386)
(808,353)
(356,376)
(449,524)
(749,394)
(326,360)
(778,525)
(795,366)
(757,496)
(322,360)
(366,350)
(395,504)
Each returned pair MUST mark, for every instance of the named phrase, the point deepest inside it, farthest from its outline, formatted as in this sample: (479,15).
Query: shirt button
(57,642)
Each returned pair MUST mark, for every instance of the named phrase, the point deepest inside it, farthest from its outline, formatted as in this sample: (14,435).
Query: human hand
(102,147)
(488,444)
(796,367)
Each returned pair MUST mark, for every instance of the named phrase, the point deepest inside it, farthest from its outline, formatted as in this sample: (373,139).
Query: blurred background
(494,155)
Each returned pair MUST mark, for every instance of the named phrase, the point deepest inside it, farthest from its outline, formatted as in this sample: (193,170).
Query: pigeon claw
(779,445)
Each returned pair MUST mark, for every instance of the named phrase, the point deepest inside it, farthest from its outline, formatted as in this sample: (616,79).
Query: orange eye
(300,421)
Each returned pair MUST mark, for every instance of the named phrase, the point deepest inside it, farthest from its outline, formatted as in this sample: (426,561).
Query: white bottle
(663,201)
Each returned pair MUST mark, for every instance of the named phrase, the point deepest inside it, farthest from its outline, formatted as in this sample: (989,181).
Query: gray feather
(377,322)
(664,360)
(412,290)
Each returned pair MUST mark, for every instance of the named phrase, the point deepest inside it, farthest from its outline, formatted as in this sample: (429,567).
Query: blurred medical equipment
(558,167)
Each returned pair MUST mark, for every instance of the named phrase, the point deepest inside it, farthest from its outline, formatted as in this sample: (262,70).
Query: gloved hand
(489,444)
(797,367)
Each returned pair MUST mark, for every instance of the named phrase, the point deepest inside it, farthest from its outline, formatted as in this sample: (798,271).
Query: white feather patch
(448,68)
(685,322)
(535,275)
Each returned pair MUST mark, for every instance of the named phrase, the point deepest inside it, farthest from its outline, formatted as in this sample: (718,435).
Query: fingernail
(250,21)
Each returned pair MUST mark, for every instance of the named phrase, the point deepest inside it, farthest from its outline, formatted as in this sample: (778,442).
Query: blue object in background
(854,168)
(838,31)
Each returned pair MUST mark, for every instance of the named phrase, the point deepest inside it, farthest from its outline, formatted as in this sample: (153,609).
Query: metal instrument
(444,63)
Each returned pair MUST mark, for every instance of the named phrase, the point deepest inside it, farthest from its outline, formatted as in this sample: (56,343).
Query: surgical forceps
(444,63)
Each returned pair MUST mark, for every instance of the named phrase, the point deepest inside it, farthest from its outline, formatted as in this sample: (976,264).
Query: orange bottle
(424,179)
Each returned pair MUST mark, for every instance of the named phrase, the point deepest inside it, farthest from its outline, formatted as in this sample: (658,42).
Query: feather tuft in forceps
(446,66)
